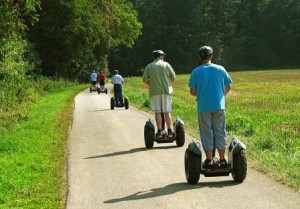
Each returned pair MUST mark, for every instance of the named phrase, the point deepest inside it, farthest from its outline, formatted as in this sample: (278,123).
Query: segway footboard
(216,172)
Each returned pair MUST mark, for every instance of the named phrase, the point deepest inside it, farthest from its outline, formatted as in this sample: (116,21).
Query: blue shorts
(212,127)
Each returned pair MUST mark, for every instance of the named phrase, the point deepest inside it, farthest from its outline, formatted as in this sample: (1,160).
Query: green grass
(263,110)
(33,151)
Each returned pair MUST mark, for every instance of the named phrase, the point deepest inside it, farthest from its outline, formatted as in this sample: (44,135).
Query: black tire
(91,90)
(239,171)
(126,103)
(192,165)
(98,90)
(180,136)
(105,91)
(112,103)
(148,137)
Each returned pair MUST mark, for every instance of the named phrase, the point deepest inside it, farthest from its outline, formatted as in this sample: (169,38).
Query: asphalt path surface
(109,167)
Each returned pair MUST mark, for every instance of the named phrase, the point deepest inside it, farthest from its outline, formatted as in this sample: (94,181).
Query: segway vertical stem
(163,121)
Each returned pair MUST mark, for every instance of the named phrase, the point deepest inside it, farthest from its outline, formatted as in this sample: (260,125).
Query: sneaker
(170,133)
(223,163)
(208,164)
(159,134)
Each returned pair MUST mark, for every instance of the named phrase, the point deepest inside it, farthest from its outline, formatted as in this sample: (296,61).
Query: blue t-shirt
(209,81)
(93,77)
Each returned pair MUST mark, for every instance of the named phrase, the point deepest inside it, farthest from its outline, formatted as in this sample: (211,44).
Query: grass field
(262,109)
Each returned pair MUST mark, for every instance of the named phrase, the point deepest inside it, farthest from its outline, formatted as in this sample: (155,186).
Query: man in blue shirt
(210,83)
(94,78)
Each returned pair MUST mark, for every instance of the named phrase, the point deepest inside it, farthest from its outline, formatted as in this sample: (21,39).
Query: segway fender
(236,146)
(150,124)
(195,147)
(178,122)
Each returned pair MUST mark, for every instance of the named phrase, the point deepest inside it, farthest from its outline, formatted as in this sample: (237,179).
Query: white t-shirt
(117,79)
(94,77)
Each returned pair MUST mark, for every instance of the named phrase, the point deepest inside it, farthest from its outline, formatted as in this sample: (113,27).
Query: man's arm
(193,91)
(173,78)
(227,89)
(146,81)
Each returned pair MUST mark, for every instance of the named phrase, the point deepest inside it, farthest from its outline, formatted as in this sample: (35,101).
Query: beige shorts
(161,103)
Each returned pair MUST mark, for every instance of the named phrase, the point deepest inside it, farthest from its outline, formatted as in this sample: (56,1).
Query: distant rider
(118,81)
(102,79)
(94,78)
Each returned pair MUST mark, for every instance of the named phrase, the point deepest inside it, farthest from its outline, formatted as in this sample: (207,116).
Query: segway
(114,104)
(150,138)
(236,165)
(94,88)
(102,89)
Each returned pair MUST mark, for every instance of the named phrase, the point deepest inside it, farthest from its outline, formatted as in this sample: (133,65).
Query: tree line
(60,39)
(256,34)
(69,38)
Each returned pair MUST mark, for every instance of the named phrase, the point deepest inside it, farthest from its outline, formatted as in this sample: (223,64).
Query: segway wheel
(192,165)
(112,103)
(98,90)
(180,136)
(126,103)
(91,89)
(148,137)
(239,171)
(105,90)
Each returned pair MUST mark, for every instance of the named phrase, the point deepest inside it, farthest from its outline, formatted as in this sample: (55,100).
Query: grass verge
(33,152)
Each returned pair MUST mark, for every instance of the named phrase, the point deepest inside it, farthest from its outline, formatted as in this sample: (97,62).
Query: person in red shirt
(102,79)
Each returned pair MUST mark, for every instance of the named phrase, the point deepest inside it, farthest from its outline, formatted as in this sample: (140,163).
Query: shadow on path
(171,189)
(125,152)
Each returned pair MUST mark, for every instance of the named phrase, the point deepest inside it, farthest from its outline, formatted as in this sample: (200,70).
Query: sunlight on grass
(263,109)
(33,152)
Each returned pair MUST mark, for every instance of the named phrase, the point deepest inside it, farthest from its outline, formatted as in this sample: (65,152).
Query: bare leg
(158,120)
(208,154)
(168,119)
(221,153)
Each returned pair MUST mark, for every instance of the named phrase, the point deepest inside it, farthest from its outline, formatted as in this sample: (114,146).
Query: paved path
(109,167)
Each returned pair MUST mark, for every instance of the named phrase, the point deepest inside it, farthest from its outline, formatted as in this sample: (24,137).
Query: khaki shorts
(161,103)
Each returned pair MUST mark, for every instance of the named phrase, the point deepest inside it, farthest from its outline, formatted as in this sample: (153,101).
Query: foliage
(82,34)
(16,56)
(244,34)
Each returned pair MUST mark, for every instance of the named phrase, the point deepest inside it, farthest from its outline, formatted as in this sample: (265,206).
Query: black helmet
(205,51)
(116,72)
(157,53)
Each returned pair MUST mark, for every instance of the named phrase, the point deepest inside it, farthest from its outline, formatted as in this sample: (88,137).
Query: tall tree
(15,50)
(79,34)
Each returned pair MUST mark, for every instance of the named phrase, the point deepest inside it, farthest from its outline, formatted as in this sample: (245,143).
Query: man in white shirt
(117,80)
